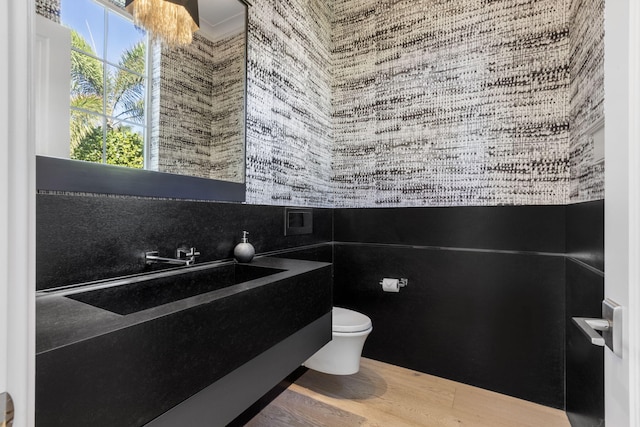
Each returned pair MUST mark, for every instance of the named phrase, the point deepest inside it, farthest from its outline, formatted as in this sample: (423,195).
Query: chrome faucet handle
(183,252)
(193,252)
(189,256)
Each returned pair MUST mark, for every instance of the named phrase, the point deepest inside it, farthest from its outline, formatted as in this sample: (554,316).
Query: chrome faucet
(183,257)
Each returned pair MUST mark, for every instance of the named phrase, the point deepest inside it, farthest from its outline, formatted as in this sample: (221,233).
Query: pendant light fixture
(170,21)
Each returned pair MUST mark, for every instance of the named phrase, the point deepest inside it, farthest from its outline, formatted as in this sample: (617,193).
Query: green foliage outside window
(108,96)
(124,147)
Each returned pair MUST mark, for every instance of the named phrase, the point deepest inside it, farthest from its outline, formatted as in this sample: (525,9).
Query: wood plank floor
(383,395)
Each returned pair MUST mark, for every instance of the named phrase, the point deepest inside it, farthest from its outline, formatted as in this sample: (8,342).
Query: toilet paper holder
(402,282)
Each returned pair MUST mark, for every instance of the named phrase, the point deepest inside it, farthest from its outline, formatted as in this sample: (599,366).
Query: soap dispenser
(244,250)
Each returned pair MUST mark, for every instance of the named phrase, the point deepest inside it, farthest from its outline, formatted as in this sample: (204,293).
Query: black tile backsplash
(450,324)
(519,228)
(488,300)
(584,294)
(320,252)
(585,362)
(86,238)
(585,233)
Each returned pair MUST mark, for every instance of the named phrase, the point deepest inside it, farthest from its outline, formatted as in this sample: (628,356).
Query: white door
(17,212)
(622,205)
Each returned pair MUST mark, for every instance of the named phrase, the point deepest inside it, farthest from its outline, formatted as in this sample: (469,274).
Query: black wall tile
(519,228)
(585,233)
(320,253)
(85,238)
(584,294)
(584,361)
(492,320)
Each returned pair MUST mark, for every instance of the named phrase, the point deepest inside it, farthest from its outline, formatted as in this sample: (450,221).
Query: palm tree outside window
(109,79)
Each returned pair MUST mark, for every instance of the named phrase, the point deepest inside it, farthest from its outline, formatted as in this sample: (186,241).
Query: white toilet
(341,355)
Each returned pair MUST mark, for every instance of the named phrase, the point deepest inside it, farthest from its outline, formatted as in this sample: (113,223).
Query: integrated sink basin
(130,351)
(134,297)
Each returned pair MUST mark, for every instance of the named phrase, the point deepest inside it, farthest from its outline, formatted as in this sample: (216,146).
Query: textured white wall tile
(586,98)
(440,103)
(289,136)
(421,103)
(49,9)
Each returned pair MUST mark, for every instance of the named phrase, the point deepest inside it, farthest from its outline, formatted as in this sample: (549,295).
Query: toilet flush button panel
(298,221)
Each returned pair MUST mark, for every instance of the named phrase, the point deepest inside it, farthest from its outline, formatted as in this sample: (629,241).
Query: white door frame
(622,205)
(17,210)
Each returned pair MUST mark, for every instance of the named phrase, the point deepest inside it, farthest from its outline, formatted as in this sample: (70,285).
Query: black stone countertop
(61,321)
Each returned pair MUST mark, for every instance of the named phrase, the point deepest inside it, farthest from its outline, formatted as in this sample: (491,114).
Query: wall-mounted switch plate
(298,221)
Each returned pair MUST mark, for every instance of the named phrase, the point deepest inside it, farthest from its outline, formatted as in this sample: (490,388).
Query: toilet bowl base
(341,355)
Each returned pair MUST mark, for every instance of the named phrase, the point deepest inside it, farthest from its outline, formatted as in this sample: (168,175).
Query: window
(109,79)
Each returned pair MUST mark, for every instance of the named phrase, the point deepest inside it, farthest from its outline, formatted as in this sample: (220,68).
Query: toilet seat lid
(345,320)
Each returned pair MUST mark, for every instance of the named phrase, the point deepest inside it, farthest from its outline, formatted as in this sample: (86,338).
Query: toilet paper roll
(390,285)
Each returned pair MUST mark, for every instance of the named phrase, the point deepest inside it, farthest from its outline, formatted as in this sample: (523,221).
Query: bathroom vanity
(188,346)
